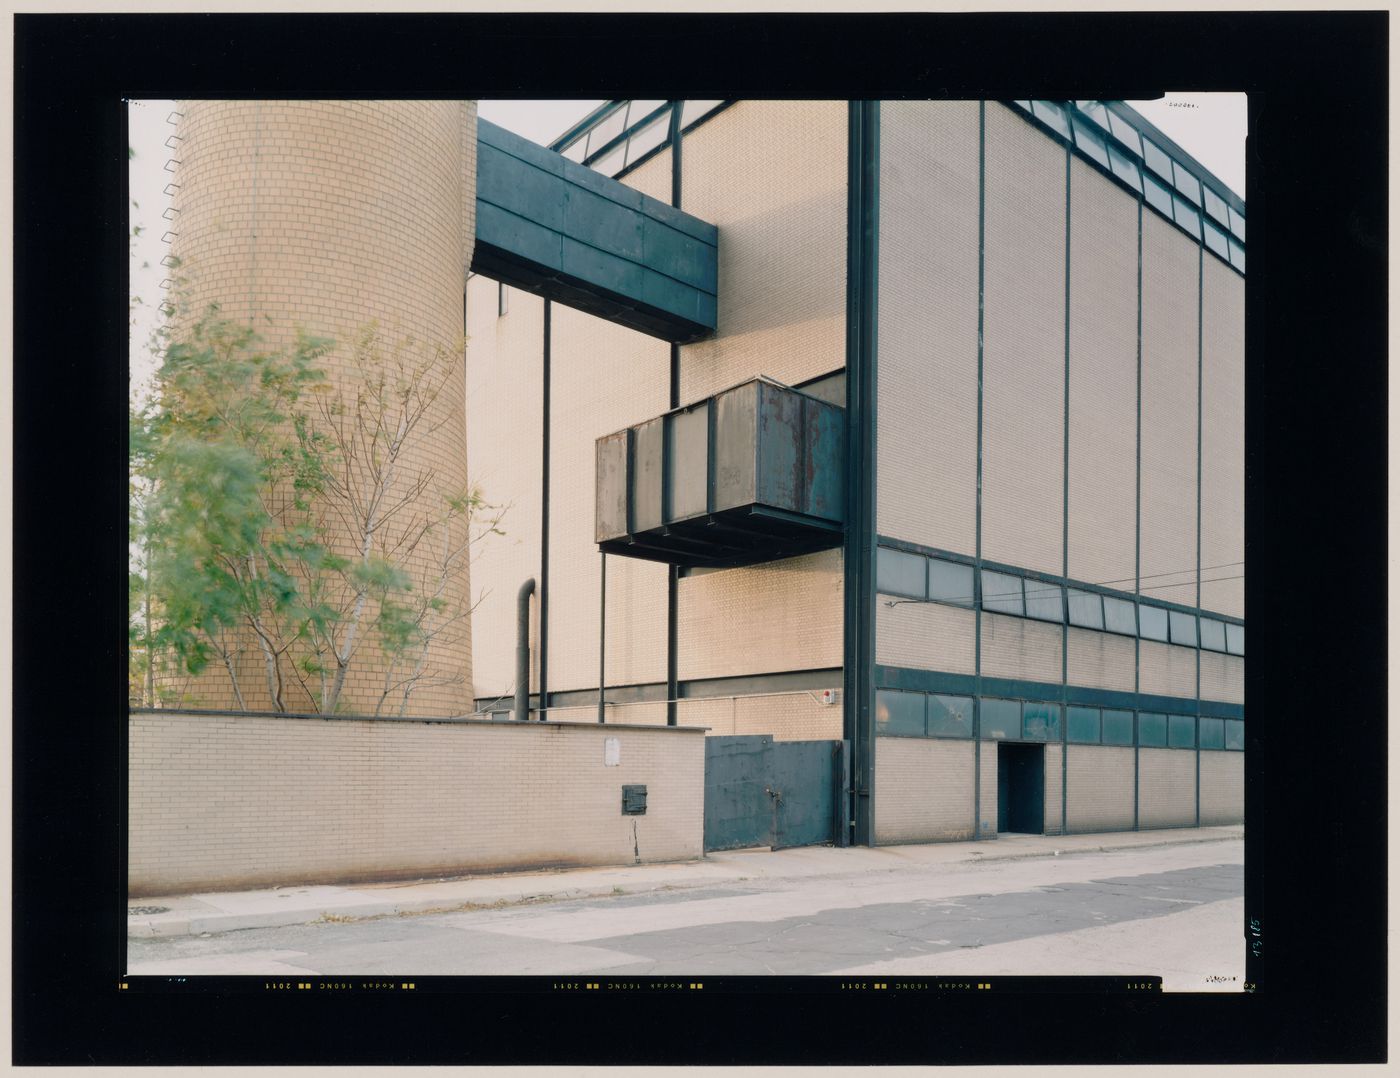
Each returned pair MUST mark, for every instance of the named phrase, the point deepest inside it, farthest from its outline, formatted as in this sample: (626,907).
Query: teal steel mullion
(1200,417)
(1137,535)
(977,542)
(1064,533)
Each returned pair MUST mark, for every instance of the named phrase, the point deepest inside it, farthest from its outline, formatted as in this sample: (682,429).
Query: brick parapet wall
(223,801)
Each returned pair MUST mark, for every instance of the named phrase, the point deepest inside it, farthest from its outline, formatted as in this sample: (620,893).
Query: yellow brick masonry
(238,801)
(327,215)
(923,790)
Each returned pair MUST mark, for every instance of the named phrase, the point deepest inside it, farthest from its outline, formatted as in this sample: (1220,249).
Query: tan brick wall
(1166,669)
(925,636)
(772,176)
(926,472)
(224,802)
(1166,788)
(1222,677)
(1054,790)
(326,215)
(505,381)
(923,790)
(1222,440)
(1023,356)
(1102,379)
(1100,788)
(1170,302)
(1222,788)
(604,377)
(793,716)
(782,615)
(987,792)
(1020,648)
(1101,660)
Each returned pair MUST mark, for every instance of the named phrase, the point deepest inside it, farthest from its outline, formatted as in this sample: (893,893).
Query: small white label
(612,752)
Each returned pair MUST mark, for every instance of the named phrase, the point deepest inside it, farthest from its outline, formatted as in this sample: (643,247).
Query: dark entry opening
(1021,788)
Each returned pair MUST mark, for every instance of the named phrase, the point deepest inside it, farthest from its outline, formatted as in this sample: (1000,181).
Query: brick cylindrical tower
(328,216)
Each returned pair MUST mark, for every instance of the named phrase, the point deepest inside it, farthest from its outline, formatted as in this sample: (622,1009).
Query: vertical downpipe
(522,650)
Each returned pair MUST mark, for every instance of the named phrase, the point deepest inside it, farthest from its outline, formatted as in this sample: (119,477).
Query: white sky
(1210,126)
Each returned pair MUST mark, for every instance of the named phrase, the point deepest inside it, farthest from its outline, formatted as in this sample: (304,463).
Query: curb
(191,923)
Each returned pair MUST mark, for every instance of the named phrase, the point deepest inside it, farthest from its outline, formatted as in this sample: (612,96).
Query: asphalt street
(1176,912)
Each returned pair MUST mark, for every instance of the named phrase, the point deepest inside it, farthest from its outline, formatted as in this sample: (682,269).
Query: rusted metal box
(754,473)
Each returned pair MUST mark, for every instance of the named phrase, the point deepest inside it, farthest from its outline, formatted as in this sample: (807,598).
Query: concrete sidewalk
(193,915)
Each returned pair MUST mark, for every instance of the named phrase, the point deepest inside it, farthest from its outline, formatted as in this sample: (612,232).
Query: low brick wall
(221,801)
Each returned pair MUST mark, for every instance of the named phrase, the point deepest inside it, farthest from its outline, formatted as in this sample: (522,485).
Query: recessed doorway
(1020,788)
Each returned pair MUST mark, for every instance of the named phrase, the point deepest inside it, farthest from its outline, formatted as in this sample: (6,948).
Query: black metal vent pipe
(522,650)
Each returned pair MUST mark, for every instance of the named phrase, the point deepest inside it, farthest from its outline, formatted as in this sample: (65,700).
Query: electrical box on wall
(829,696)
(634,800)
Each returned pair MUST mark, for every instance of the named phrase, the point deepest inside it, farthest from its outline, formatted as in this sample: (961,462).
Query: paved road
(1175,911)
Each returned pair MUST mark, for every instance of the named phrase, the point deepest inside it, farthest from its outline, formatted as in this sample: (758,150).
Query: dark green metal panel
(764,793)
(752,484)
(556,228)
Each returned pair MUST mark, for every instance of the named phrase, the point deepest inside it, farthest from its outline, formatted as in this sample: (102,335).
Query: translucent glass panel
(1157,196)
(1002,593)
(1044,602)
(1212,634)
(1183,628)
(1181,732)
(1234,639)
(1217,207)
(1082,725)
(1157,160)
(1001,719)
(1085,609)
(1152,730)
(1153,620)
(1186,216)
(1216,241)
(1119,616)
(1125,168)
(949,582)
(1117,727)
(1041,722)
(1090,141)
(1052,114)
(950,716)
(1234,734)
(899,713)
(899,573)
(1212,733)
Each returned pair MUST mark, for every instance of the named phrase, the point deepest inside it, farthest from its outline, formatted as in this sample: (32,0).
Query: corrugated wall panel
(772,176)
(1167,670)
(1166,788)
(504,362)
(1102,379)
(1222,788)
(1019,648)
(1222,441)
(1023,345)
(1170,302)
(927,398)
(925,636)
(1100,791)
(605,377)
(1054,790)
(784,615)
(923,790)
(1101,660)
(1222,677)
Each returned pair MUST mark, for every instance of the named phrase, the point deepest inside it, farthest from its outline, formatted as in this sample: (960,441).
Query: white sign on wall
(612,752)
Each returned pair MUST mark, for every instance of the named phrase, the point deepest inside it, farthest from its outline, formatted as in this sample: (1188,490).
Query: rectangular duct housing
(749,475)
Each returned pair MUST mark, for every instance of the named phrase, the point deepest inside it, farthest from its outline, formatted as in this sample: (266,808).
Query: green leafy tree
(274,512)
(229,467)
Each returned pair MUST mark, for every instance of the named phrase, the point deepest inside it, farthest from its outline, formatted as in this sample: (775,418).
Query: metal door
(764,793)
